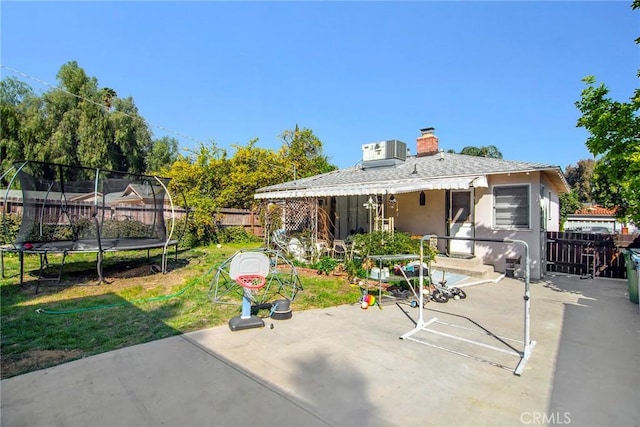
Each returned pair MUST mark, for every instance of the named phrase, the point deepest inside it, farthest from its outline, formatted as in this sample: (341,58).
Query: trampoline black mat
(108,245)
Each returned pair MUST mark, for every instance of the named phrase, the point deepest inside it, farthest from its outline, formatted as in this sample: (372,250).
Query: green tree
(580,179)
(609,194)
(107,97)
(250,168)
(210,180)
(569,204)
(74,123)
(15,97)
(614,138)
(302,150)
(199,177)
(484,151)
(130,140)
(14,91)
(163,153)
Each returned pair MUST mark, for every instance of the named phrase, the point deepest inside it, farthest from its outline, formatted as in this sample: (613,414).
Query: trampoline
(66,209)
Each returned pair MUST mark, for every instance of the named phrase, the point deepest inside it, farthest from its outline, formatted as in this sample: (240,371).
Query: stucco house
(437,193)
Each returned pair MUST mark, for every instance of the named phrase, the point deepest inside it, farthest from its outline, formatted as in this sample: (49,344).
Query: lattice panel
(300,215)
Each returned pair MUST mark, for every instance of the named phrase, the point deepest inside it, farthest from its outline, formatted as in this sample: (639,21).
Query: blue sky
(482,73)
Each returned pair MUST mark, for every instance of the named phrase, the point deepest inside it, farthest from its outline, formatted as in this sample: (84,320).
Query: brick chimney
(427,143)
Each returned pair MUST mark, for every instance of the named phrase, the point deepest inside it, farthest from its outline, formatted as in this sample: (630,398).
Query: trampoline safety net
(66,203)
(62,208)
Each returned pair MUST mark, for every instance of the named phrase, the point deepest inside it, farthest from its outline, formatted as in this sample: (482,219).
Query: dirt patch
(148,275)
(15,364)
(307,272)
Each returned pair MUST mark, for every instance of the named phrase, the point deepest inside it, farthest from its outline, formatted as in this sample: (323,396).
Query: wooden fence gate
(588,254)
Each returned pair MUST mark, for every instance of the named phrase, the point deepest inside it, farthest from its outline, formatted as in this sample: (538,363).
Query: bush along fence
(588,254)
(247,219)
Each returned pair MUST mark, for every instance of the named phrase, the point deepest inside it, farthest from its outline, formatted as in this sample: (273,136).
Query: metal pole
(173,223)
(528,344)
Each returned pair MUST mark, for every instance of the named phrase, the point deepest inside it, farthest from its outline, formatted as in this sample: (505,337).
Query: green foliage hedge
(194,233)
(385,243)
(9,226)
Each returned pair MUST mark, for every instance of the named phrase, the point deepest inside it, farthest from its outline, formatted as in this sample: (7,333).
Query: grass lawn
(81,317)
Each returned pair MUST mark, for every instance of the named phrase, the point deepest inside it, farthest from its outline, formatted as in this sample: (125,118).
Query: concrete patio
(346,366)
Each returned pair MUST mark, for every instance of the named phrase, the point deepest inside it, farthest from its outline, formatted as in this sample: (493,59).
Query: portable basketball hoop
(281,282)
(249,270)
(251,281)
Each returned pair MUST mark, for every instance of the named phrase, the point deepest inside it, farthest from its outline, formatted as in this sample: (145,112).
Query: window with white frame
(511,206)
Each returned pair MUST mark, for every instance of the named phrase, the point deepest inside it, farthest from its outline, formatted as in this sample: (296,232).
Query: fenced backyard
(589,254)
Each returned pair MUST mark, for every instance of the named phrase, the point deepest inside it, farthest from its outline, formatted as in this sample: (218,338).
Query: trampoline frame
(99,245)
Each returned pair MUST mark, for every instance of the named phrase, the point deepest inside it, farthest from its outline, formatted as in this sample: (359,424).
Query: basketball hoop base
(239,323)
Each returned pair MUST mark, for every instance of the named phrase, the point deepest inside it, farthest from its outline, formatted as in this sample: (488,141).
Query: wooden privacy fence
(589,254)
(248,219)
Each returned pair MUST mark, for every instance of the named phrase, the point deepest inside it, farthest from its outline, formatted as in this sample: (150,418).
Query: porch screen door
(460,222)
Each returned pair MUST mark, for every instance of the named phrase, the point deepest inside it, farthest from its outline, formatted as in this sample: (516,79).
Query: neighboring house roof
(16,195)
(132,194)
(84,197)
(135,194)
(451,171)
(595,210)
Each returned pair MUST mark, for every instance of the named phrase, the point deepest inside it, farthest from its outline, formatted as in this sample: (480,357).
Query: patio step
(467,266)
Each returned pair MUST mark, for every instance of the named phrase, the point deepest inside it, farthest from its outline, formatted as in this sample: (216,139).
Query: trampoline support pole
(99,267)
(21,258)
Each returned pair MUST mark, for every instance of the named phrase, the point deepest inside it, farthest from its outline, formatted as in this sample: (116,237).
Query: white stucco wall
(418,220)
(496,254)
(421,220)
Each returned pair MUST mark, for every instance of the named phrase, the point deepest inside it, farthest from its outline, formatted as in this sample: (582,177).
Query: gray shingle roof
(414,168)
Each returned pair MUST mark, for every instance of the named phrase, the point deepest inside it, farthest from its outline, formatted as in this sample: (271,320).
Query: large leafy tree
(74,123)
(199,176)
(580,179)
(131,138)
(16,98)
(163,153)
(569,204)
(614,138)
(302,153)
(250,168)
(211,180)
(484,151)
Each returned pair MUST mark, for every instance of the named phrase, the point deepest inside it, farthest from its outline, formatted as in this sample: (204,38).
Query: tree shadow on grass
(47,334)
(53,276)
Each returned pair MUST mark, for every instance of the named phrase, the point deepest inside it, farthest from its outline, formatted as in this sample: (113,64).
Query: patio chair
(280,240)
(340,250)
(322,249)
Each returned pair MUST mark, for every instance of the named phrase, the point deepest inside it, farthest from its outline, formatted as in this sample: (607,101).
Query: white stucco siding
(412,218)
(552,200)
(496,254)
(419,220)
